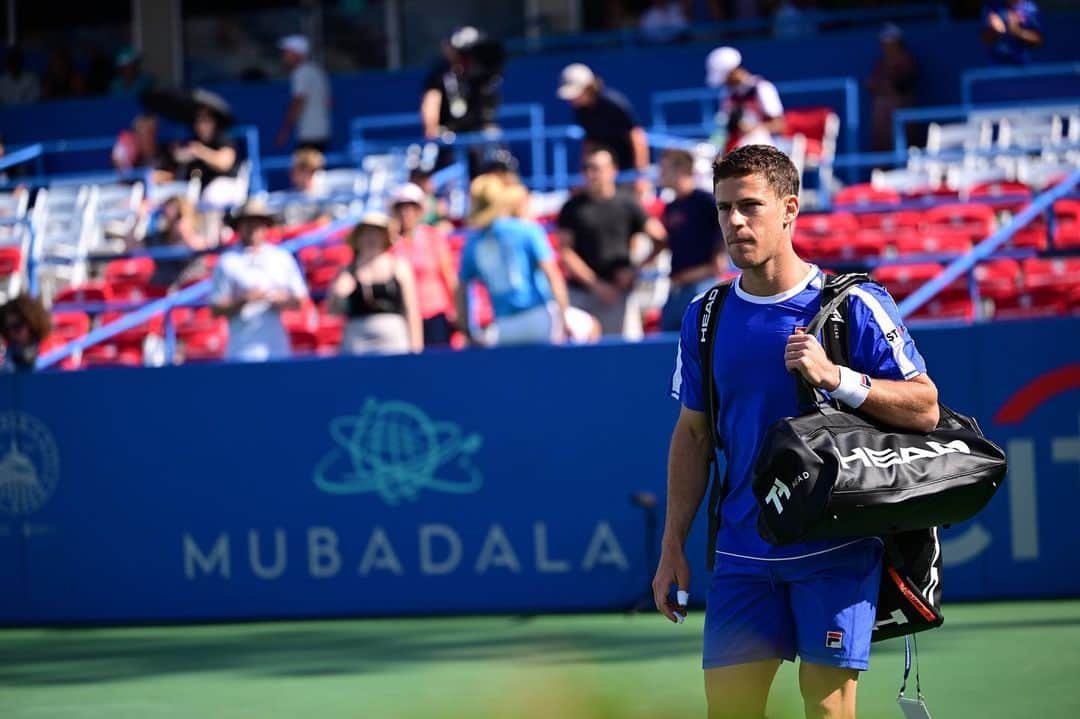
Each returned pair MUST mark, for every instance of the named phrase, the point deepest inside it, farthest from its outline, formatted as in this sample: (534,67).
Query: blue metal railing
(193,295)
(970,78)
(405,126)
(988,246)
(708,100)
(38,152)
(903,117)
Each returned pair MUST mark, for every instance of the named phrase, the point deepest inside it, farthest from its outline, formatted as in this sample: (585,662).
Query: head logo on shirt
(396,451)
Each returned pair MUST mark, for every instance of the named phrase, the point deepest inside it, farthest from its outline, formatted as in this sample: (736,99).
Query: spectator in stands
(130,80)
(252,285)
(462,93)
(607,119)
(751,112)
(17,85)
(427,251)
(512,259)
(306,205)
(891,84)
(99,72)
(377,293)
(595,231)
(61,78)
(139,148)
(1011,29)
(210,153)
(309,106)
(693,236)
(665,20)
(435,209)
(24,323)
(307,163)
(176,226)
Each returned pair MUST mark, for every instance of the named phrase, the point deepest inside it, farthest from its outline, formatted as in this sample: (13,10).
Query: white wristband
(854,387)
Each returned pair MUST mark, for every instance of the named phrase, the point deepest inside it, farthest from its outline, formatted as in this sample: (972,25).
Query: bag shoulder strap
(708,318)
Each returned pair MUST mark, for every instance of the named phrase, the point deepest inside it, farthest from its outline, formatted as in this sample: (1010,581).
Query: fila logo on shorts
(834,640)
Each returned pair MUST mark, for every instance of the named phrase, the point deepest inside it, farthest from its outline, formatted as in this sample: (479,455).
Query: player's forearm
(688,478)
(906,404)
(576,267)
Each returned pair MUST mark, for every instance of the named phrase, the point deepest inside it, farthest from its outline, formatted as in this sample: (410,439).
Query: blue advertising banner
(486,481)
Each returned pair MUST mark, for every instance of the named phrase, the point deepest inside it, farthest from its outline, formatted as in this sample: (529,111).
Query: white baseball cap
(295,43)
(575,78)
(719,65)
(408,193)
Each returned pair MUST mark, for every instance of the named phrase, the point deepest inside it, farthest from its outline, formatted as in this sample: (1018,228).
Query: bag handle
(808,394)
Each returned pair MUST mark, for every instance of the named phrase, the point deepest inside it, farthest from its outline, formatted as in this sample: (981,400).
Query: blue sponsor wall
(944,51)
(486,481)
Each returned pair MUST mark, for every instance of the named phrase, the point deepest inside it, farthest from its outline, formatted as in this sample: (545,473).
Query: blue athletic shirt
(755,390)
(505,256)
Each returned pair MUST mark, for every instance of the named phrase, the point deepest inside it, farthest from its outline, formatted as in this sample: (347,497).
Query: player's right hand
(673,569)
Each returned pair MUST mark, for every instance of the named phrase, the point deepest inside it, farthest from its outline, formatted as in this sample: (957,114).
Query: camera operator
(461,93)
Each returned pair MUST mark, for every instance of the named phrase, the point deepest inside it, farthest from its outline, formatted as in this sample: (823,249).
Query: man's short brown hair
(309,159)
(777,168)
(680,159)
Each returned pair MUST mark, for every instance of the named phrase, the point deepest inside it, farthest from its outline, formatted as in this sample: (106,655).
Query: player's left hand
(805,355)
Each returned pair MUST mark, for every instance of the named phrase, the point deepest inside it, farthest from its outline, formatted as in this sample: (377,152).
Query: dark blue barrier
(448,482)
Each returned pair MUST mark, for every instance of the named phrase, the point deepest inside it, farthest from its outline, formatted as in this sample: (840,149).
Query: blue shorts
(821,608)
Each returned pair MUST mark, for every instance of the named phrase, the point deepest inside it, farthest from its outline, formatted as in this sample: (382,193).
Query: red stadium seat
(130,272)
(309,257)
(319,278)
(857,246)
(134,335)
(934,241)
(200,335)
(53,342)
(1074,300)
(1067,227)
(1060,273)
(305,317)
(1039,302)
(67,326)
(902,280)
(112,354)
(338,255)
(93,291)
(978,220)
(813,124)
(865,194)
(827,223)
(890,221)
(998,277)
(947,306)
(328,333)
(1031,237)
(10,260)
(303,341)
(1009,196)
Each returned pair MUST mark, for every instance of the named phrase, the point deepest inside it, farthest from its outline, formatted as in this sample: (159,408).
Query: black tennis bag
(834,472)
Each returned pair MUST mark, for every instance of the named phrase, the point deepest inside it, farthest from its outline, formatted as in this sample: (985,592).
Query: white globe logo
(29,464)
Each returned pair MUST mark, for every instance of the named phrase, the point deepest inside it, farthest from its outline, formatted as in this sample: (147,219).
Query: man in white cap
(309,109)
(752,107)
(606,117)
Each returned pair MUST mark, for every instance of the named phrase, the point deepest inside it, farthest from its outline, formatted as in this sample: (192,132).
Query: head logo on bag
(883,458)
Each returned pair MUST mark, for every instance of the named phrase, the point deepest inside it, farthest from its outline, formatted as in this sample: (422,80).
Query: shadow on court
(57,657)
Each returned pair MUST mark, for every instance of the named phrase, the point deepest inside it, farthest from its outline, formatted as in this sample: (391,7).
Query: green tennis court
(990,660)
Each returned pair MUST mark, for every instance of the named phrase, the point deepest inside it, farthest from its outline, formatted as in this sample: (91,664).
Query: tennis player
(768,603)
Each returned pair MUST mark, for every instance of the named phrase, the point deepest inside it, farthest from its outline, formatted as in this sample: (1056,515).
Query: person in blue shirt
(1011,28)
(770,603)
(512,259)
